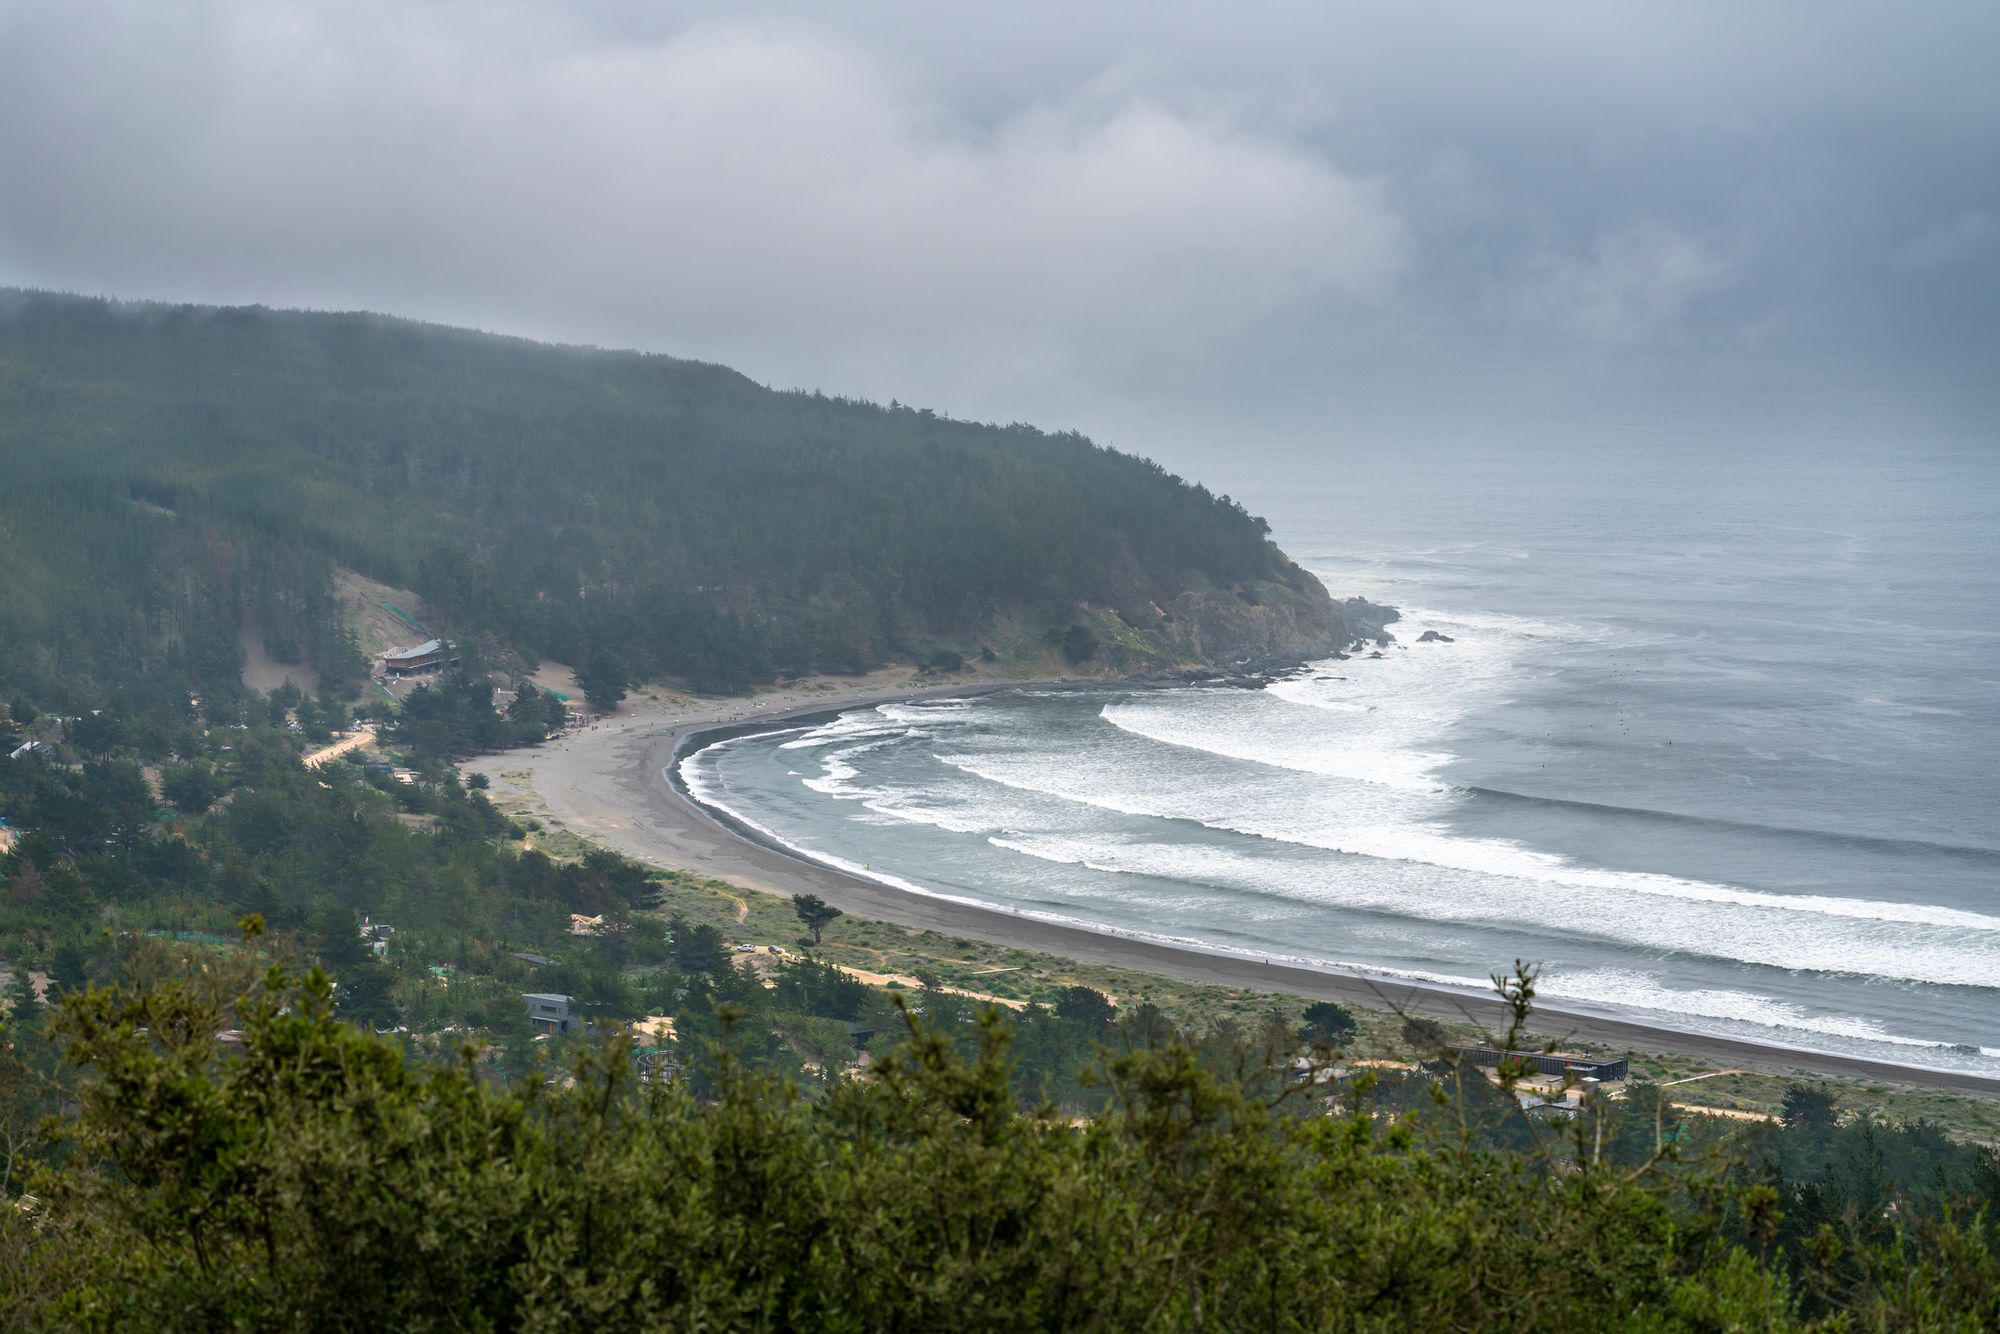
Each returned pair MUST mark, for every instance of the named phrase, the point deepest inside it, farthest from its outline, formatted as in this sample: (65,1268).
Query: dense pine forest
(172,475)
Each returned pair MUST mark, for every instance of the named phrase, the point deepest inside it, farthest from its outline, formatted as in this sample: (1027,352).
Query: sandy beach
(604,782)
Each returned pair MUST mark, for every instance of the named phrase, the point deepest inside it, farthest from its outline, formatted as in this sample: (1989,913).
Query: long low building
(433,655)
(1549,1062)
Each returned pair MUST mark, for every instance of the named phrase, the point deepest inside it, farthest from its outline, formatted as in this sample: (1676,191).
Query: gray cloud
(1947,245)
(763,193)
(1631,285)
(1022,211)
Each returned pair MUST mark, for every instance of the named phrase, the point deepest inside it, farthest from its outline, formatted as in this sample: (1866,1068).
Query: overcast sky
(1031,210)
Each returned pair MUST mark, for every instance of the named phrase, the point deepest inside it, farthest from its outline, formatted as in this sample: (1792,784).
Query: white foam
(1409,769)
(837,773)
(709,794)
(1744,1014)
(745,739)
(1423,844)
(1906,951)
(919,711)
(847,727)
(1499,857)
(888,803)
(1364,720)
(1624,989)
(1376,796)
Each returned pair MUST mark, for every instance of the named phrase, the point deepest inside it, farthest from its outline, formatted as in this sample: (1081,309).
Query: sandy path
(605,782)
(353,741)
(911,984)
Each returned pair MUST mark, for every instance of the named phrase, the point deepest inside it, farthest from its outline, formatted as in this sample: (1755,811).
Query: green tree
(22,1006)
(812,986)
(815,912)
(192,788)
(698,947)
(1327,1024)
(1809,1107)
(364,994)
(1087,1007)
(604,678)
(69,968)
(336,939)
(96,732)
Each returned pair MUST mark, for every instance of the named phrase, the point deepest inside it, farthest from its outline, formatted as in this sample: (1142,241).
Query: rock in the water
(1433,637)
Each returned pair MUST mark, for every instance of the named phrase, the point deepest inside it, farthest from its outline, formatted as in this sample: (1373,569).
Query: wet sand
(606,783)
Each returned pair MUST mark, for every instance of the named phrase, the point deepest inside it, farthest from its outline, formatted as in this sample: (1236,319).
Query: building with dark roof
(433,655)
(549,1013)
(1549,1062)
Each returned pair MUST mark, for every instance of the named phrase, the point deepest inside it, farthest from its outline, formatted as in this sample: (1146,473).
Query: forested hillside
(170,476)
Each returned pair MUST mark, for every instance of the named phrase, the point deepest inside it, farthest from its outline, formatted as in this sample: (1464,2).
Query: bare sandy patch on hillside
(376,629)
(552,675)
(263,672)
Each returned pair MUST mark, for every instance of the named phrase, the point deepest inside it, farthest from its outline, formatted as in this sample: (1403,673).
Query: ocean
(1714,740)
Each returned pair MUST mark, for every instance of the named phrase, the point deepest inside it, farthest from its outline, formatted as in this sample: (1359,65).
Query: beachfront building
(1561,1063)
(433,655)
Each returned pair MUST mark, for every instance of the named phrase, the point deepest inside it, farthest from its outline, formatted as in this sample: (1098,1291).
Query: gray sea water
(1716,740)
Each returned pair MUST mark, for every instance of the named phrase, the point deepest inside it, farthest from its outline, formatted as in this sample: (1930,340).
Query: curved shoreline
(630,798)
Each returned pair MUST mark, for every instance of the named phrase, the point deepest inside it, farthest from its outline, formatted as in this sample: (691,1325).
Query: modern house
(1548,1062)
(549,1013)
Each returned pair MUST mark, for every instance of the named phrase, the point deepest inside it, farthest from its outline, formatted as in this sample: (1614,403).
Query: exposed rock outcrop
(1270,622)
(1247,633)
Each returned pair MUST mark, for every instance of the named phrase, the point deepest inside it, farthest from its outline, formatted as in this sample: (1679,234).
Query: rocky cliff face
(1269,621)
(1247,629)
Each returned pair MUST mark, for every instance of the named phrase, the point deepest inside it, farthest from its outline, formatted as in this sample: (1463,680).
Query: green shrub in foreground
(319,1180)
